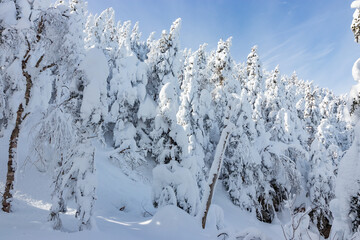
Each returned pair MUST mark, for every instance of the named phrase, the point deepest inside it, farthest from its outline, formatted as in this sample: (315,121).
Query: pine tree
(254,81)
(355,25)
(191,114)
(169,138)
(242,163)
(139,47)
(224,85)
(321,181)
(345,207)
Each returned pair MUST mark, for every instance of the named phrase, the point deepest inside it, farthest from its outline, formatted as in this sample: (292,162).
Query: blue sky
(312,37)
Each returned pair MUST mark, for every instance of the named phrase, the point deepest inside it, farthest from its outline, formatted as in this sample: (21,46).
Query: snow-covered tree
(73,114)
(31,63)
(169,138)
(192,112)
(254,82)
(355,25)
(139,47)
(77,79)
(321,181)
(346,206)
(165,57)
(223,81)
(242,162)
(215,170)
(272,102)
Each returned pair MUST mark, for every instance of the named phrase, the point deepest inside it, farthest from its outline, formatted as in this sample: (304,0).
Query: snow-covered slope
(123,209)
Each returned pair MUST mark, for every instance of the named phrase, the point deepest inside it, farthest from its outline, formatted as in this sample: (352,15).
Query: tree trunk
(10,176)
(215,171)
(6,203)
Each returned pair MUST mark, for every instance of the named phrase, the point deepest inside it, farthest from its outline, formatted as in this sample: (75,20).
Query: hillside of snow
(107,135)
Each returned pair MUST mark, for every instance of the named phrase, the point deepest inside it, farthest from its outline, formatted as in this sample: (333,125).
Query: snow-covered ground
(123,209)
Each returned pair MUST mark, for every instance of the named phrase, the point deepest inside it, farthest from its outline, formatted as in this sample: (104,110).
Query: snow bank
(175,185)
(168,220)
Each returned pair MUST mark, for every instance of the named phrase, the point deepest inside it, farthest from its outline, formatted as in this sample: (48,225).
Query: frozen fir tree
(166,72)
(242,162)
(321,182)
(169,138)
(346,206)
(272,103)
(254,82)
(192,112)
(355,25)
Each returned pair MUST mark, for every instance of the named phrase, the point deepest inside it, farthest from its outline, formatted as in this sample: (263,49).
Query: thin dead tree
(215,171)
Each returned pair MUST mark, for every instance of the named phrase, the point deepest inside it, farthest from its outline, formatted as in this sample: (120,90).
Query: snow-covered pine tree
(272,101)
(192,112)
(311,111)
(254,82)
(242,176)
(126,93)
(139,47)
(321,182)
(165,57)
(125,87)
(173,182)
(343,126)
(224,85)
(346,207)
(355,25)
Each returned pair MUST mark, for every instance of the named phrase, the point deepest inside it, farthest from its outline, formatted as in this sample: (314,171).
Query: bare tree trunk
(215,171)
(10,177)
(6,203)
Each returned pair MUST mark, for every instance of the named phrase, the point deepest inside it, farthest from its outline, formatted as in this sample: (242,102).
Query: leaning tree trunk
(10,176)
(7,196)
(215,171)
(20,116)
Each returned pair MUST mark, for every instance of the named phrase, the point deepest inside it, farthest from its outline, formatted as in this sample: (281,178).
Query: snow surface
(8,13)
(115,191)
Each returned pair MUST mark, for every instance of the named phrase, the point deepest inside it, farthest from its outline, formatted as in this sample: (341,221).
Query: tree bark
(10,176)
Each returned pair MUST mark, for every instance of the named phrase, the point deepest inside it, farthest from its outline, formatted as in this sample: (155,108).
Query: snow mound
(170,219)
